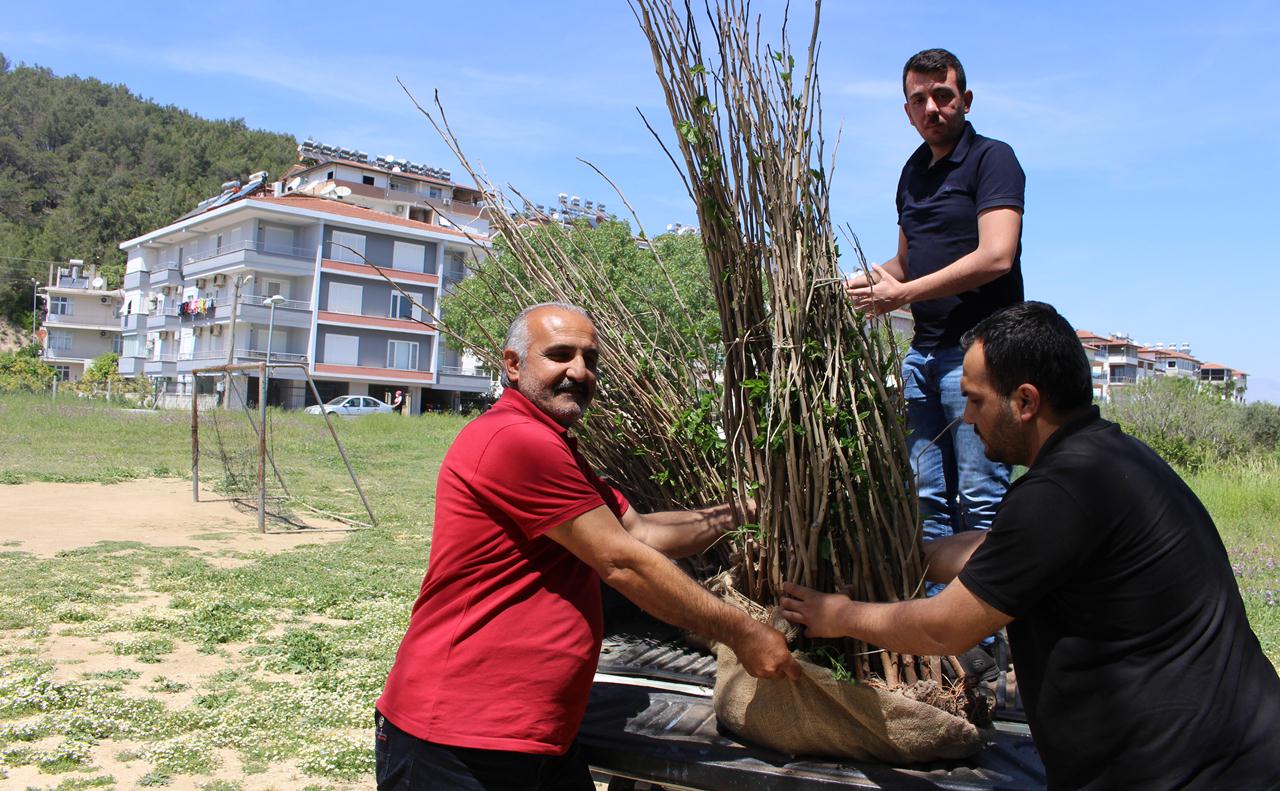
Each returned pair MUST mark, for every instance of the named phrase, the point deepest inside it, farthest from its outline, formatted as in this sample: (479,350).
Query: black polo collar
(924,154)
(1087,417)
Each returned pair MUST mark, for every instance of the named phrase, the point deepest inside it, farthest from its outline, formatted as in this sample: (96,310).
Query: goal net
(289,467)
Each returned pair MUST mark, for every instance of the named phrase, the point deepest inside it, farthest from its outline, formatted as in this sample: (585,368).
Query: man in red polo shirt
(491,681)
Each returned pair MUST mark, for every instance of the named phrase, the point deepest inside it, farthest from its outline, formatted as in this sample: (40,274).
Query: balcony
(164,317)
(1122,359)
(166,274)
(464,379)
(130,323)
(383,272)
(137,281)
(161,365)
(130,366)
(277,258)
(1122,379)
(98,322)
(211,358)
(294,313)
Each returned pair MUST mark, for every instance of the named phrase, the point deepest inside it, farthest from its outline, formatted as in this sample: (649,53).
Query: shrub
(1261,421)
(1187,425)
(21,372)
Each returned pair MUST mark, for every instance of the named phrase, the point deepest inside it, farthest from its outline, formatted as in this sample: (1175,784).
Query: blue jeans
(959,487)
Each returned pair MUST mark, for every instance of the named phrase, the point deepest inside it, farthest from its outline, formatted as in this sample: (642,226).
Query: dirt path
(46,518)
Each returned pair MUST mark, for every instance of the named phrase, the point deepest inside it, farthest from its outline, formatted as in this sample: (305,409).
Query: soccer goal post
(235,476)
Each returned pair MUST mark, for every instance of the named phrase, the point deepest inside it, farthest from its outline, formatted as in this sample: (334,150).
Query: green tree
(85,165)
(669,286)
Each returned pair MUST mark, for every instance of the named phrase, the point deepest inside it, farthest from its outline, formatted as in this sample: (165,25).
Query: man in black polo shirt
(1134,657)
(960,201)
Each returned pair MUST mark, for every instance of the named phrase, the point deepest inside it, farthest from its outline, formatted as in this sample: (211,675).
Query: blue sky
(1146,129)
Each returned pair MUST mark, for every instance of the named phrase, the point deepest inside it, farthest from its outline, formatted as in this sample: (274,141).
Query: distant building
(1219,375)
(195,284)
(1117,361)
(81,321)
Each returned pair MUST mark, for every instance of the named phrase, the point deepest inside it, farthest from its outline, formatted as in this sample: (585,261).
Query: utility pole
(231,333)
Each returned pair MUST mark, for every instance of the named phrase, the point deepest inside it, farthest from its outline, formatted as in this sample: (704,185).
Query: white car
(351,405)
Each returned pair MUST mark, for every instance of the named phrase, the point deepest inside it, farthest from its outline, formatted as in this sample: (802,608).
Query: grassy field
(301,639)
(306,636)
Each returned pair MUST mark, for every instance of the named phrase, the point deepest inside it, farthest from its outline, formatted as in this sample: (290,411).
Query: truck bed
(650,718)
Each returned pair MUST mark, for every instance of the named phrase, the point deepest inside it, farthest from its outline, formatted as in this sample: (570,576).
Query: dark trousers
(407,763)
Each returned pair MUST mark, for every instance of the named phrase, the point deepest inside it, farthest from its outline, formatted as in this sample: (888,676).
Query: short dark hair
(1032,343)
(933,61)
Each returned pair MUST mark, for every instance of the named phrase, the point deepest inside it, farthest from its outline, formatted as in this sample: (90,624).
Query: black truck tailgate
(650,718)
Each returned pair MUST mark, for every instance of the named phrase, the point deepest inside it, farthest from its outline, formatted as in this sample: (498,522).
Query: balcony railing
(248,354)
(266,248)
(256,300)
(458,370)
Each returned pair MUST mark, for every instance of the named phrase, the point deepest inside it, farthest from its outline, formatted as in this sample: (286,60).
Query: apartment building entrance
(280,392)
(328,391)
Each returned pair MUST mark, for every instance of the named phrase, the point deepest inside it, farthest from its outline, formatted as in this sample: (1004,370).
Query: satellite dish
(99,282)
(328,188)
(342,192)
(294,183)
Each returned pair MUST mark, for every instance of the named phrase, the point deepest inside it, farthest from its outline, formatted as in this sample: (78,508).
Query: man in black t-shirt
(960,203)
(1134,656)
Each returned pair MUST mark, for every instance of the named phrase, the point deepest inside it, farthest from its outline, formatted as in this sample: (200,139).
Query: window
(402,355)
(345,246)
(277,239)
(408,256)
(59,341)
(342,349)
(59,306)
(345,298)
(434,192)
(117,344)
(63,372)
(368,180)
(403,308)
(274,287)
(329,176)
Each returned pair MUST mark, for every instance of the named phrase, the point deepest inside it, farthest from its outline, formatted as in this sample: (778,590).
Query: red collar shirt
(503,639)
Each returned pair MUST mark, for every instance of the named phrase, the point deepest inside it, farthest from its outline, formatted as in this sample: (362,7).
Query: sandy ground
(45,518)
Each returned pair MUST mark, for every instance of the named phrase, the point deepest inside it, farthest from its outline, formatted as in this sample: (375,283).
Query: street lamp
(271,324)
(271,301)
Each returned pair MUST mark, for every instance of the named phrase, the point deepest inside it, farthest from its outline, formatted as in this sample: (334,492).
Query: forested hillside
(85,165)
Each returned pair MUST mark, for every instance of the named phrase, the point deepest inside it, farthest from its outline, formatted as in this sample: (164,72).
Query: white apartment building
(194,290)
(1118,361)
(81,321)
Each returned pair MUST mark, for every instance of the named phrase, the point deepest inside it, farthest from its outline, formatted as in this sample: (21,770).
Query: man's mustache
(577,388)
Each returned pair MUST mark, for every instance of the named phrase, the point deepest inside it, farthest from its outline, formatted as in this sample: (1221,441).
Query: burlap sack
(818,715)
